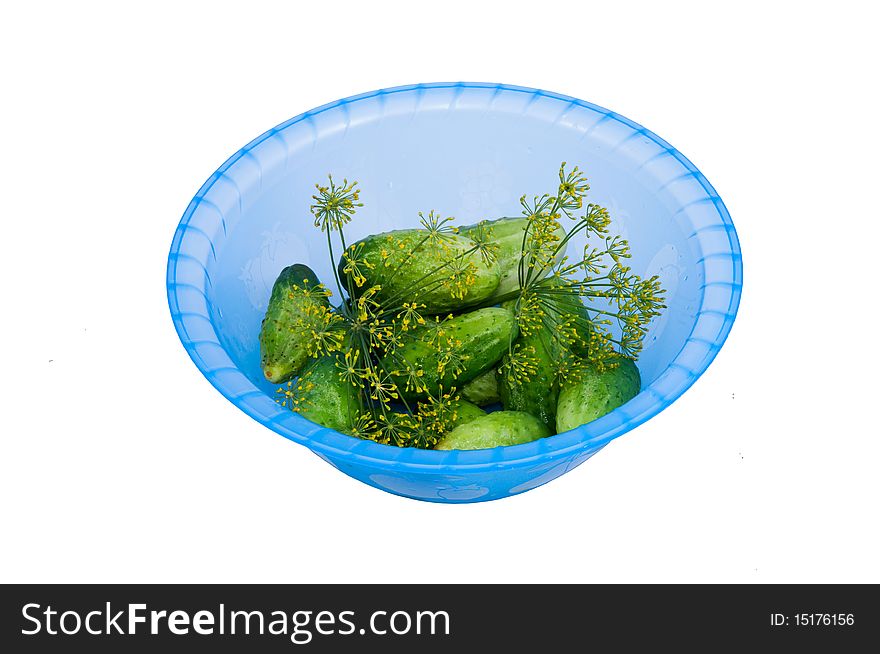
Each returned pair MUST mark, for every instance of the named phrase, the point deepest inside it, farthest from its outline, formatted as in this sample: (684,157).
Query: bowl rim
(695,356)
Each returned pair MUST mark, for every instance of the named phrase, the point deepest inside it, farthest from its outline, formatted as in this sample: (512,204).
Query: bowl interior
(468,151)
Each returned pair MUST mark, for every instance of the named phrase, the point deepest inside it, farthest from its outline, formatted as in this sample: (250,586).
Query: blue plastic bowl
(468,150)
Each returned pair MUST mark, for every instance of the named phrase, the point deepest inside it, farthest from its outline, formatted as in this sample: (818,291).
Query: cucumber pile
(440,324)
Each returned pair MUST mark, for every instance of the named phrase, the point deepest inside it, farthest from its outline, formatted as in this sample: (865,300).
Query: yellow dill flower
(356,264)
(592,262)
(392,337)
(569,368)
(410,315)
(335,205)
(544,239)
(530,313)
(381,336)
(481,237)
(435,417)
(383,388)
(617,248)
(349,372)
(326,329)
(600,349)
(567,331)
(597,219)
(439,229)
(364,426)
(368,304)
(294,395)
(451,360)
(573,187)
(435,332)
(462,274)
(412,377)
(521,364)
(309,292)
(394,428)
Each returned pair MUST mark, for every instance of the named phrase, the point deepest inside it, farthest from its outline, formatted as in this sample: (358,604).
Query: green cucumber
(493,430)
(282,342)
(482,390)
(596,393)
(481,337)
(324,398)
(410,267)
(463,413)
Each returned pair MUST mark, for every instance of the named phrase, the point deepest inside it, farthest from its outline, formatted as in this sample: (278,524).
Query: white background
(120,463)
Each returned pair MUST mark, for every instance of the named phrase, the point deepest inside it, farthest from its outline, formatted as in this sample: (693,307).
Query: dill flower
(335,205)
(410,315)
(451,359)
(411,378)
(439,413)
(573,187)
(364,426)
(481,237)
(383,388)
(349,372)
(356,265)
(294,393)
(530,313)
(520,364)
(439,229)
(462,274)
(326,329)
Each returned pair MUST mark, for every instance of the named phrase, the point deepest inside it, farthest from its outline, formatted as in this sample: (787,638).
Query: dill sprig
(574,304)
(366,332)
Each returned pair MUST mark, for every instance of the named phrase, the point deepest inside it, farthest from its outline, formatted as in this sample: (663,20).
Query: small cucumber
(326,399)
(480,339)
(464,412)
(409,266)
(282,343)
(596,394)
(482,390)
(493,430)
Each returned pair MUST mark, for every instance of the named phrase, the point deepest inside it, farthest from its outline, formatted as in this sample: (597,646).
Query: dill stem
(339,285)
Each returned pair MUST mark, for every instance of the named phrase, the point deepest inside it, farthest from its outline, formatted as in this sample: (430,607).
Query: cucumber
(464,412)
(493,430)
(482,336)
(282,342)
(596,394)
(326,399)
(482,390)
(410,268)
(508,234)
(539,395)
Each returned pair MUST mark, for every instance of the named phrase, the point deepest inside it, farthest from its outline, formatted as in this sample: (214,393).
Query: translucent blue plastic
(468,150)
